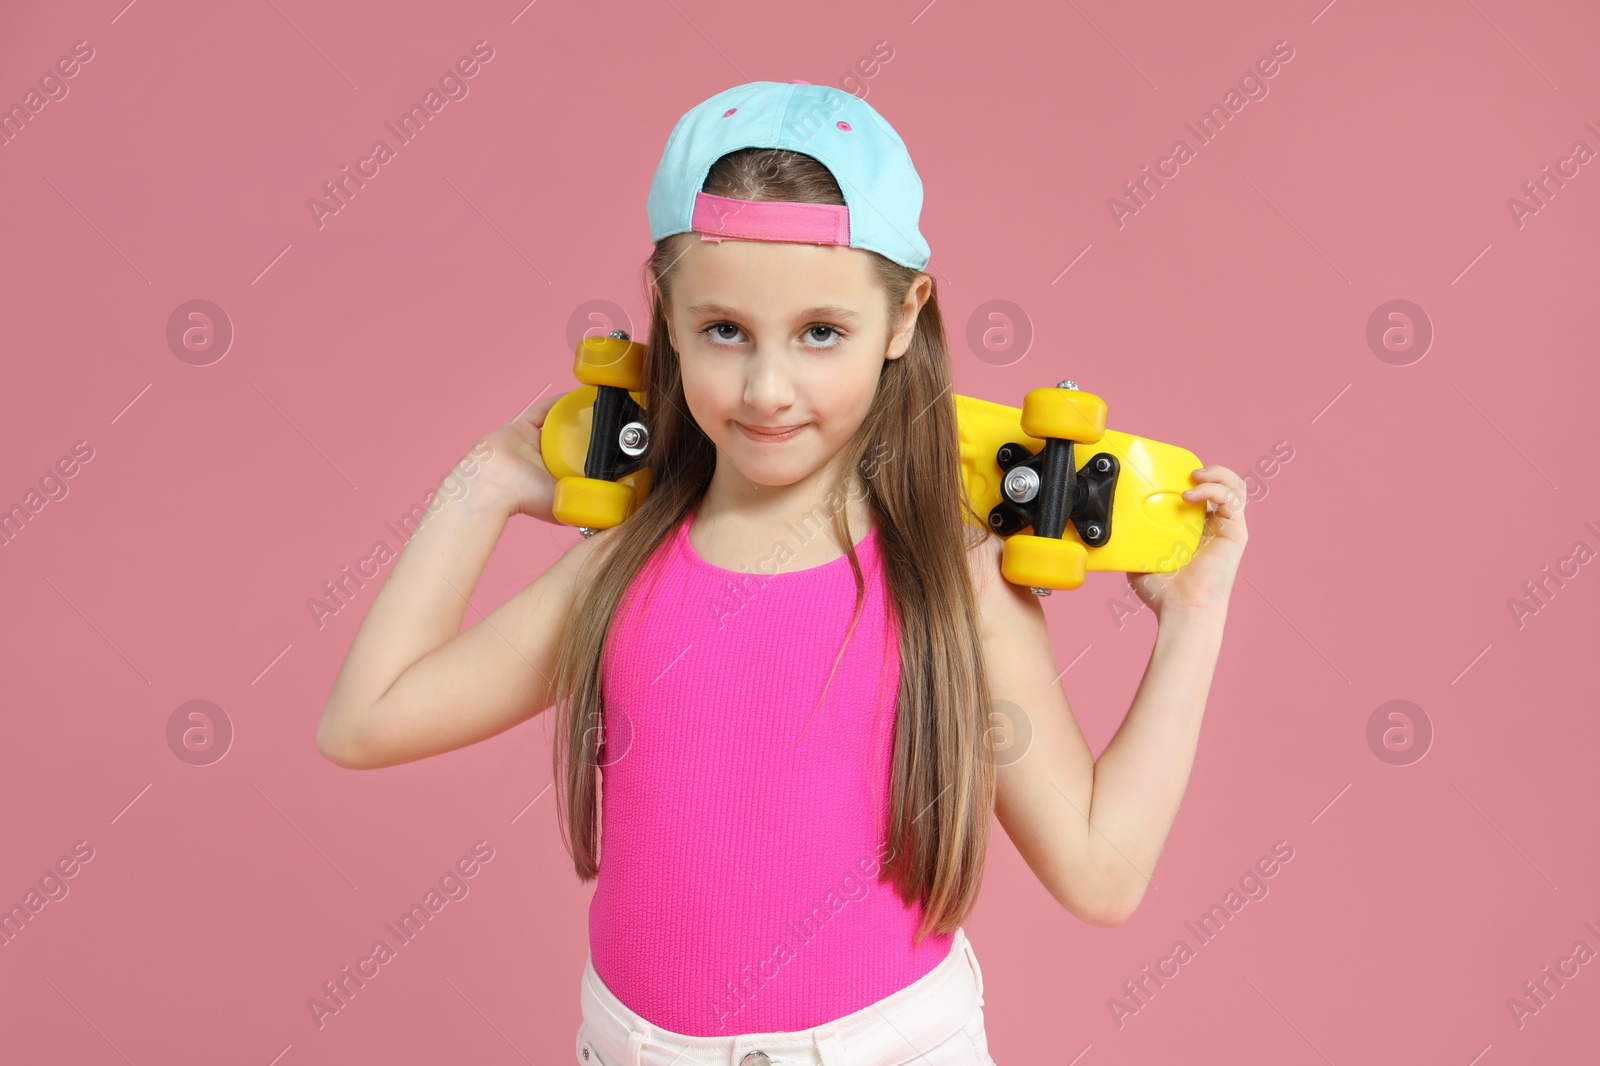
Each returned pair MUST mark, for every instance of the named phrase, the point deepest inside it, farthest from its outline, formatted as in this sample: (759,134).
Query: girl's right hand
(515,475)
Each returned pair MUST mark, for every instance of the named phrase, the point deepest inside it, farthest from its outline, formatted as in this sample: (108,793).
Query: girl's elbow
(336,752)
(1123,907)
(1105,910)
(1104,917)
(336,743)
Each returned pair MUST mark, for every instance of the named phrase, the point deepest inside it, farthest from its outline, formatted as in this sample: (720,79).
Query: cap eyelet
(842,124)
(728,112)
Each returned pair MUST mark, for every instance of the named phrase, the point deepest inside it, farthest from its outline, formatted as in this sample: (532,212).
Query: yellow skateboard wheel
(611,361)
(590,502)
(1064,414)
(1043,562)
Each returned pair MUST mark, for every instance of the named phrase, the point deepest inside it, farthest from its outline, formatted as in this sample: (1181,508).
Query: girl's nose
(768,386)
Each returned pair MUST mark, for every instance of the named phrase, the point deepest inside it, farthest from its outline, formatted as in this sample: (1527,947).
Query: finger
(1220,500)
(1215,488)
(1229,501)
(1220,474)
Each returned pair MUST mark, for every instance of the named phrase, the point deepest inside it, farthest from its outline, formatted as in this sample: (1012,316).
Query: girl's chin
(771,473)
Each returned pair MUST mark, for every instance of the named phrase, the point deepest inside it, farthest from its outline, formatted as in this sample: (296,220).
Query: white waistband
(897,1028)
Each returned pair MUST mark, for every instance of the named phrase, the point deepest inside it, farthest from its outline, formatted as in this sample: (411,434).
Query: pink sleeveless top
(742,822)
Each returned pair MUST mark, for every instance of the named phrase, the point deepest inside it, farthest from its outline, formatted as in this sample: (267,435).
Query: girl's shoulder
(581,558)
(1009,615)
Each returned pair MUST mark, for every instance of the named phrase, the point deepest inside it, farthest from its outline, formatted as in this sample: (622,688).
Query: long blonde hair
(942,790)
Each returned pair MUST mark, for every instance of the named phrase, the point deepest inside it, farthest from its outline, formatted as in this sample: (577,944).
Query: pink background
(1228,314)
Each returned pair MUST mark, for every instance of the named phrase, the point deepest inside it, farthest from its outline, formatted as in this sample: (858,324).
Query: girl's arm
(1092,831)
(413,684)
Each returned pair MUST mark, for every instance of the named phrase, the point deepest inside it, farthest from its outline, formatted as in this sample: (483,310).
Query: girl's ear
(916,296)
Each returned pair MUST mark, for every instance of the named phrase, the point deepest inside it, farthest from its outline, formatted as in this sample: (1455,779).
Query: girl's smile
(770,436)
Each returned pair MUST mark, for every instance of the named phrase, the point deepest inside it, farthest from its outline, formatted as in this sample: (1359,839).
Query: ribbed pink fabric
(741,833)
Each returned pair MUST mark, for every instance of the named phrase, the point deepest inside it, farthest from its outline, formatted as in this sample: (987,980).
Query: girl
(776,682)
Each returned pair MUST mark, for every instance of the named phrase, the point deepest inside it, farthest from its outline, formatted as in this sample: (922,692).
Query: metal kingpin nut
(586,531)
(1102,464)
(633,439)
(1022,484)
(1094,532)
(1037,591)
(620,334)
(1067,384)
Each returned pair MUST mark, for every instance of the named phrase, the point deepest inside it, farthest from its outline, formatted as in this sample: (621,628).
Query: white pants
(937,1020)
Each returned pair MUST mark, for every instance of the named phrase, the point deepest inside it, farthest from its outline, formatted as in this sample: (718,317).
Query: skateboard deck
(1067,494)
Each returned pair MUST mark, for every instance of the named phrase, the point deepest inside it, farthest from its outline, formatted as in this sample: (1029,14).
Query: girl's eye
(715,331)
(831,333)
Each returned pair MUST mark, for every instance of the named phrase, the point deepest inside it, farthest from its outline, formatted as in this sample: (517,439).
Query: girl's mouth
(771,435)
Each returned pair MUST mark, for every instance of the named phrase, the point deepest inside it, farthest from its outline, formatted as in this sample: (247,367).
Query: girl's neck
(734,533)
(804,541)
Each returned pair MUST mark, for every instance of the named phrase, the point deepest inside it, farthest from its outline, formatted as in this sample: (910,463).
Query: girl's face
(785,338)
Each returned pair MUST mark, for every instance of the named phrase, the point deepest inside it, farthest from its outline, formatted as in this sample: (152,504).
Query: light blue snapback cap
(882,192)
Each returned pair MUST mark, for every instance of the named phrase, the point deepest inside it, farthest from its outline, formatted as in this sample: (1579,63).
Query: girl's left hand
(1206,580)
